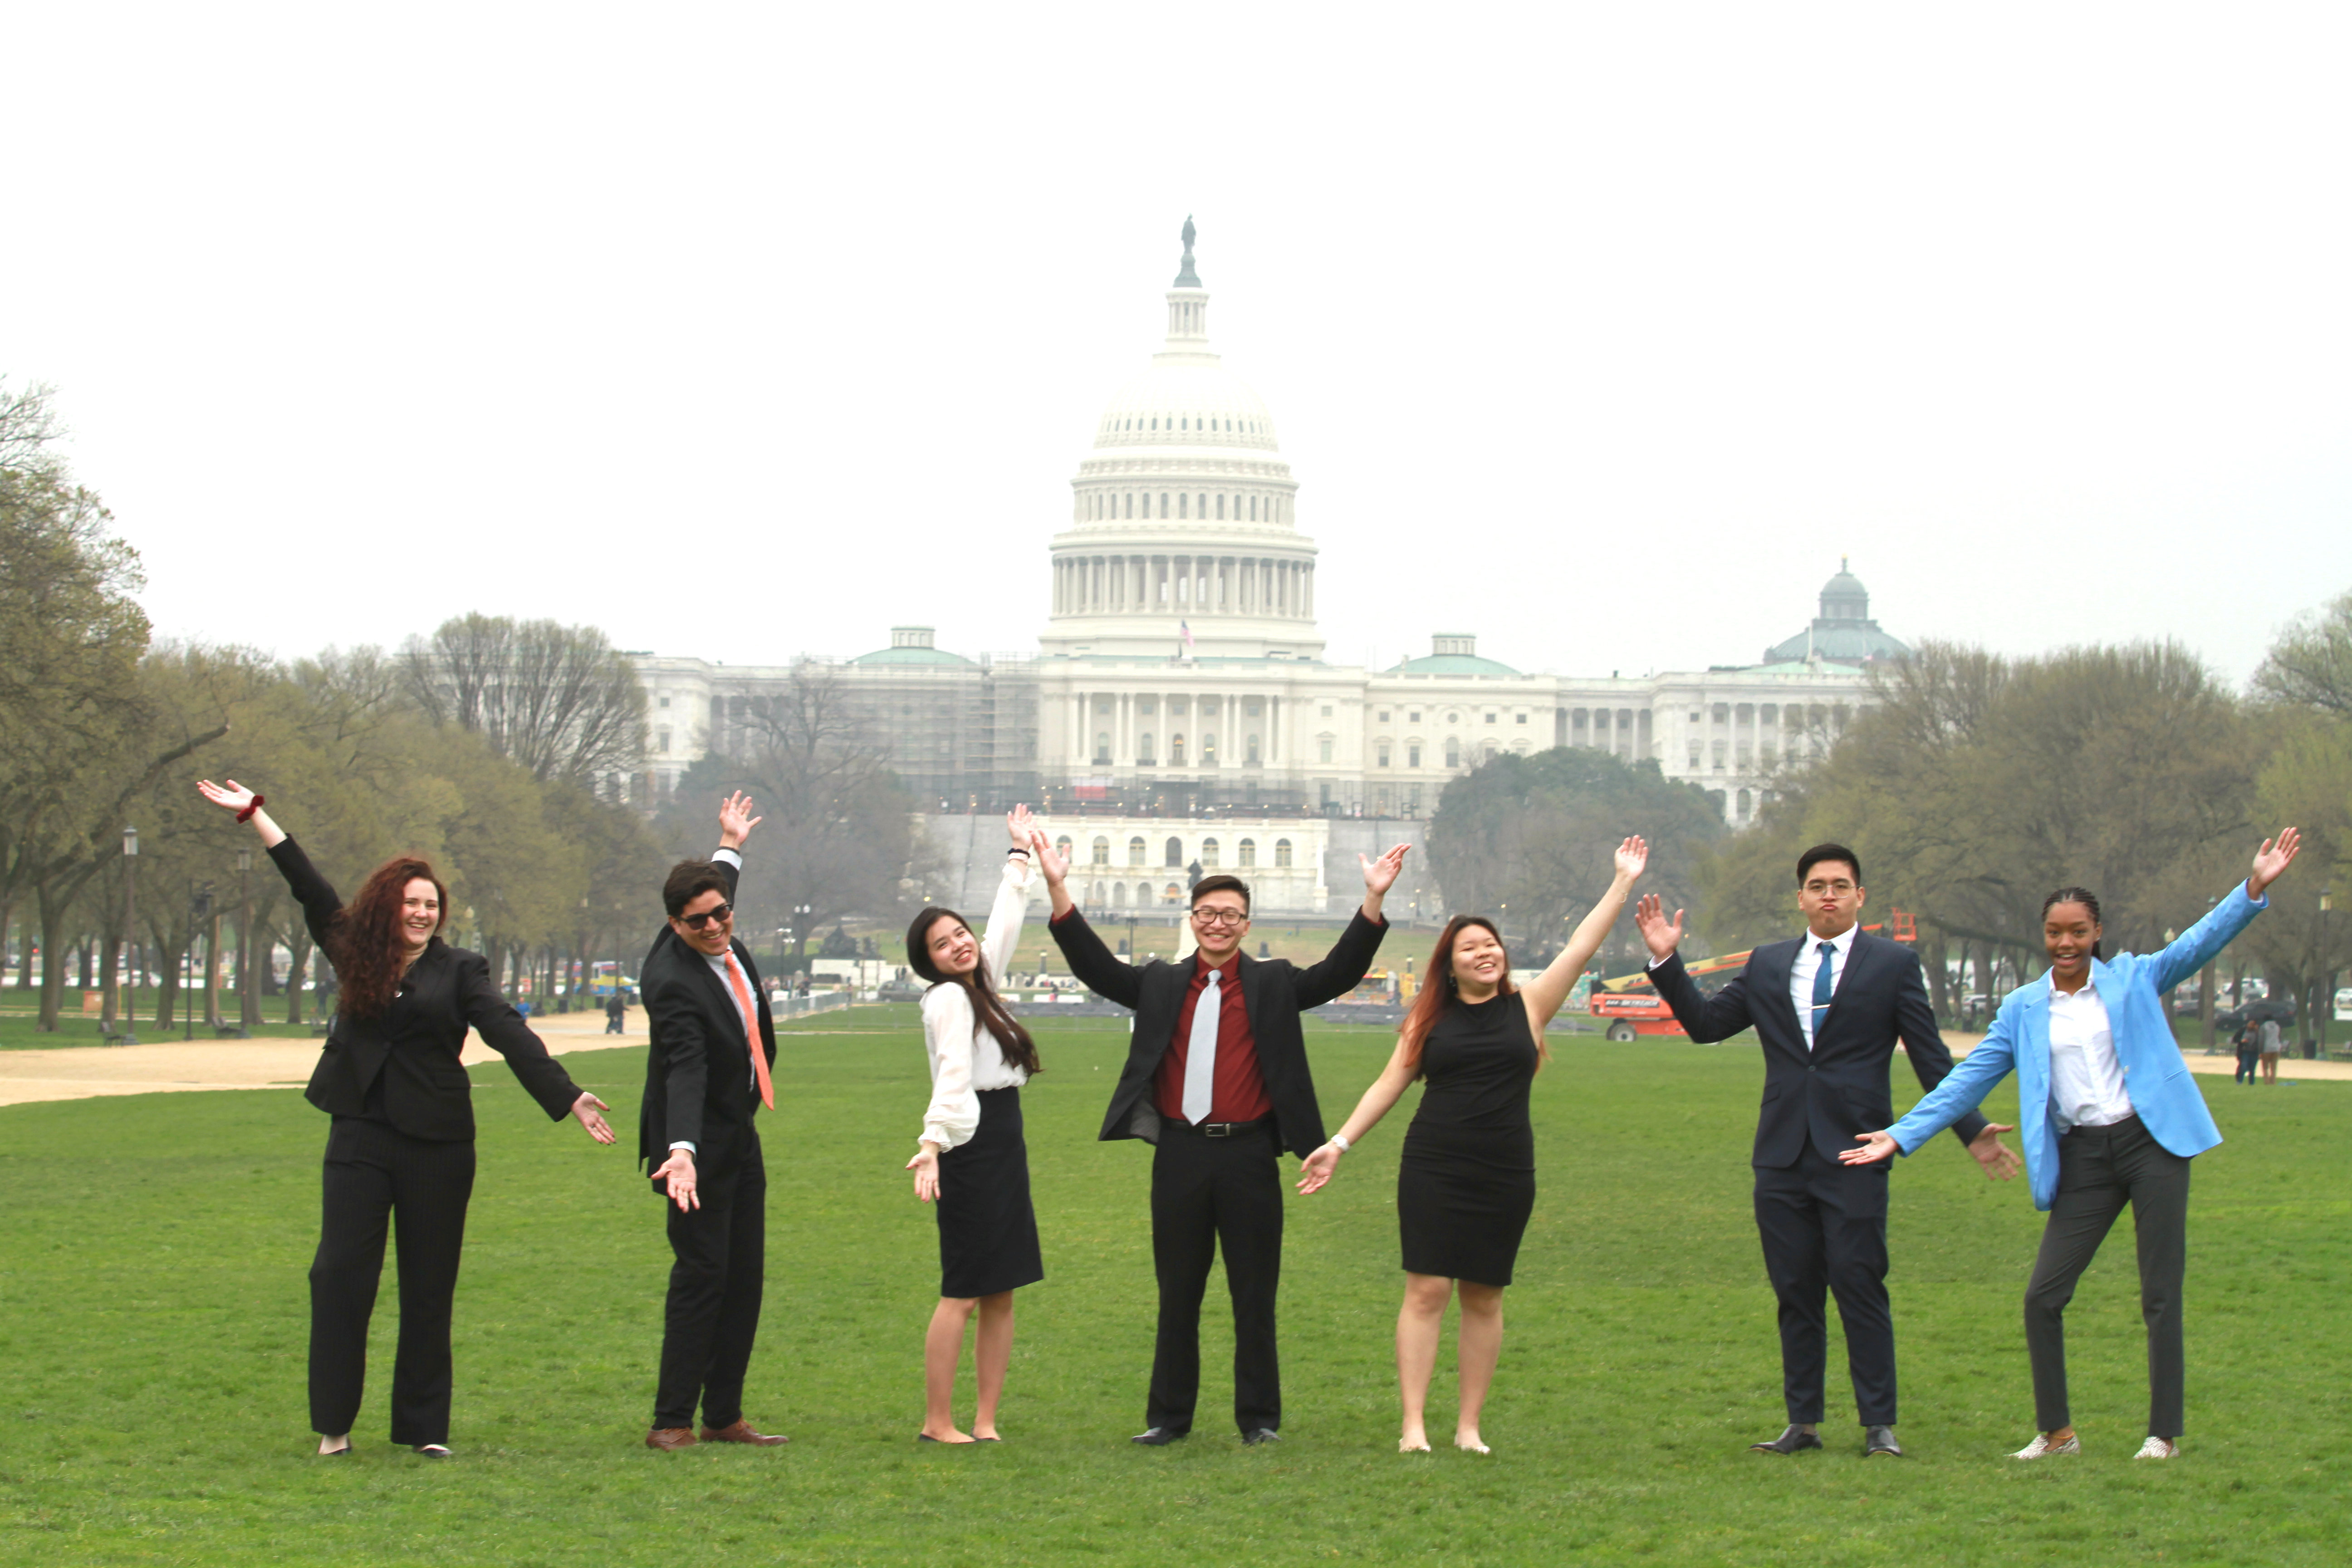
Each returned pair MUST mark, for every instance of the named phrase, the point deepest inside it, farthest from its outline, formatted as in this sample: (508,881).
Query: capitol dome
(1844,632)
(1183,542)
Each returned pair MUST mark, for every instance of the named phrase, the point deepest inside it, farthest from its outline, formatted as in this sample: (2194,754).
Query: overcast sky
(1599,330)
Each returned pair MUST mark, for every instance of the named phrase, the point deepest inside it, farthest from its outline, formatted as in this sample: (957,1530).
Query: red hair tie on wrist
(258,802)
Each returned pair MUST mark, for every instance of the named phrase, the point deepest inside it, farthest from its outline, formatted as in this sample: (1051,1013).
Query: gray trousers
(2101,1169)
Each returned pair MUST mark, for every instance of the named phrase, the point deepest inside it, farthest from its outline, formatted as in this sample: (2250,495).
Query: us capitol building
(1181,676)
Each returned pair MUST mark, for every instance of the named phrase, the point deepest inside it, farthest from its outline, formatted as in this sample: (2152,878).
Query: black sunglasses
(695,922)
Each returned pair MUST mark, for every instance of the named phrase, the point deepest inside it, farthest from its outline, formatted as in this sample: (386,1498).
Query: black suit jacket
(1273,992)
(414,1044)
(1838,1089)
(699,1086)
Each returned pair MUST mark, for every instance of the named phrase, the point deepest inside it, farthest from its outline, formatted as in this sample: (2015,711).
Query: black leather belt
(1221,1129)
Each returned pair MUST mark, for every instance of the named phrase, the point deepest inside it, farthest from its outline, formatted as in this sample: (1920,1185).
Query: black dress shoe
(1263,1434)
(1793,1440)
(1159,1438)
(1880,1440)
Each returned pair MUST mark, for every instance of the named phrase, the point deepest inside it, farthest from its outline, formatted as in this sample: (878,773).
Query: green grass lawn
(152,1320)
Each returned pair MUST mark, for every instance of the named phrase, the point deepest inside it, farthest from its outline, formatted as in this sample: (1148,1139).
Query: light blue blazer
(2163,1094)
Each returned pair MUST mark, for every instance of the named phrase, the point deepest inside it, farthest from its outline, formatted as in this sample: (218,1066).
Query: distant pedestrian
(2273,1042)
(2248,1045)
(616,1012)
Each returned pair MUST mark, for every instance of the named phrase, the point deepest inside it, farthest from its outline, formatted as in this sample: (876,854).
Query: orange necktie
(751,1030)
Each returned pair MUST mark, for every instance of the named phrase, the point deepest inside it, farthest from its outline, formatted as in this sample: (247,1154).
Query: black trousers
(1208,1192)
(713,1311)
(2100,1169)
(1823,1226)
(376,1173)
(2249,1065)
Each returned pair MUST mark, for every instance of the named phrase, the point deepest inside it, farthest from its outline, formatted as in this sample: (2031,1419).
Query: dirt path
(82,1072)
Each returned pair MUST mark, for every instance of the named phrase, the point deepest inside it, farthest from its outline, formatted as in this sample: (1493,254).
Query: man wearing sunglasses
(706,1077)
(1216,1077)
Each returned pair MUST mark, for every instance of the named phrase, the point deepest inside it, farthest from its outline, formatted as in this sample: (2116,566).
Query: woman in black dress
(401,1146)
(1467,1181)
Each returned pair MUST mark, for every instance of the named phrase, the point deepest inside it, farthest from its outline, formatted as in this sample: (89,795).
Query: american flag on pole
(1184,630)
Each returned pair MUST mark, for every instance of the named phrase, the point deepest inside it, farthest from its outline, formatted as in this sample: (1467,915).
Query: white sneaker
(2158,1448)
(2042,1448)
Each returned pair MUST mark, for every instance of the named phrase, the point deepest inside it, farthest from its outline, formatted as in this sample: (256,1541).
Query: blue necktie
(1822,980)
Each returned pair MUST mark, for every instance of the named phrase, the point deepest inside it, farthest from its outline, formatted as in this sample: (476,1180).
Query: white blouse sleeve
(1004,918)
(953,1115)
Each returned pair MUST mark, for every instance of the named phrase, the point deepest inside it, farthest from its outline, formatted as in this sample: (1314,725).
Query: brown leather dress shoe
(669,1438)
(741,1432)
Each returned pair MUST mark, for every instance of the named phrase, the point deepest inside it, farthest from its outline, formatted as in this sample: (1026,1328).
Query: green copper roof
(1454,664)
(934,656)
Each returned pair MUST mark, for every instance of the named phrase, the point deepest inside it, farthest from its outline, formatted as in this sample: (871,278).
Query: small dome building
(1842,633)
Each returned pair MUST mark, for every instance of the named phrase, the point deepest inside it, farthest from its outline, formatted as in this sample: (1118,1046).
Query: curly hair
(365,946)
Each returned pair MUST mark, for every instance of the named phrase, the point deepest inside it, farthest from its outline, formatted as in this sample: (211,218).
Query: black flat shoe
(1794,1440)
(1880,1440)
(1159,1438)
(1263,1434)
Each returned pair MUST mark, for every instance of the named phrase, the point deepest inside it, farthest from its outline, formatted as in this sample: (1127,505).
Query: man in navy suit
(1827,1008)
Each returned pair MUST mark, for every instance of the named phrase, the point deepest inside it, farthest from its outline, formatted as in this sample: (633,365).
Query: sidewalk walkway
(84,1072)
(2226,1065)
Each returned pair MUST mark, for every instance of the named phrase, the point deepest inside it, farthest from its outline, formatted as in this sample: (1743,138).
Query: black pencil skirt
(988,1229)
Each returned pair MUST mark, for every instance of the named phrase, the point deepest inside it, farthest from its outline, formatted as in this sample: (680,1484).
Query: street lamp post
(245,1019)
(2326,998)
(129,1036)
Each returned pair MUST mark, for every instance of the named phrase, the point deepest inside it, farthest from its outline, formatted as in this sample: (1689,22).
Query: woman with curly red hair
(403,1140)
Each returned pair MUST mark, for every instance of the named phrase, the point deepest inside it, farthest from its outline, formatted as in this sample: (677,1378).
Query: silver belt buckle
(1216,1130)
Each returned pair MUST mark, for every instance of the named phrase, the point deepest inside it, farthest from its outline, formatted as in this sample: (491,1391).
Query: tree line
(1972,786)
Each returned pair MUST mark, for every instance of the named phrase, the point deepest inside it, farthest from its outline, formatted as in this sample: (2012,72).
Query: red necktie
(751,1031)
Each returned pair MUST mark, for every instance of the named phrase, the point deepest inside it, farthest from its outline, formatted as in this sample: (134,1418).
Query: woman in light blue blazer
(2110,1116)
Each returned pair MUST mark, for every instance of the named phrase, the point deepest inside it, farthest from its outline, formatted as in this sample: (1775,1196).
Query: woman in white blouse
(971,1160)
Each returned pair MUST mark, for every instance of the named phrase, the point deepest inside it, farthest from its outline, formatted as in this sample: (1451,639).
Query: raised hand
(1632,858)
(587,1108)
(1875,1146)
(1055,866)
(735,820)
(1022,825)
(1658,934)
(1318,1168)
(2274,857)
(1381,875)
(233,795)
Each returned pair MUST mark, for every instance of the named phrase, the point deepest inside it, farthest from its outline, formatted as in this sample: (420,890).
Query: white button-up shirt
(1800,973)
(2086,1081)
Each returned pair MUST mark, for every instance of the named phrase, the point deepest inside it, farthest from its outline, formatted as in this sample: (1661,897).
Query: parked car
(2284,1011)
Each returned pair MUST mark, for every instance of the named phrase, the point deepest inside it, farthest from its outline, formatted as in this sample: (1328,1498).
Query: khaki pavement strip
(84,1072)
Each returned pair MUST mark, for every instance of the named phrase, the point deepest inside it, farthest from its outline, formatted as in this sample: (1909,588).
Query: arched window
(1130,503)
(1245,853)
(1102,746)
(1253,517)
(1143,749)
(1183,503)
(1413,754)
(1062,848)
(1204,507)
(1209,853)
(1453,752)
(1253,748)
(1176,750)
(1174,853)
(1102,851)
(1221,508)
(1281,852)
(1135,852)
(1119,895)
(1163,503)
(1172,894)
(1745,802)
(1155,422)
(1486,751)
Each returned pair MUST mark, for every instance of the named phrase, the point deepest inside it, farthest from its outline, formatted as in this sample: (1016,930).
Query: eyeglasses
(1208,917)
(1818,888)
(695,922)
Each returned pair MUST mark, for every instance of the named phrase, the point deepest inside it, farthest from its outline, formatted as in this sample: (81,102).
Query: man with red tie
(1216,1077)
(706,1077)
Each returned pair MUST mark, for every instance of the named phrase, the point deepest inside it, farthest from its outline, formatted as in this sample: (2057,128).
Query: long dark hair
(2088,899)
(365,945)
(1438,993)
(986,1005)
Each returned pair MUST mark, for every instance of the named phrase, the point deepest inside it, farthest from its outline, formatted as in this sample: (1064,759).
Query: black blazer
(1275,992)
(699,1087)
(414,1044)
(1838,1089)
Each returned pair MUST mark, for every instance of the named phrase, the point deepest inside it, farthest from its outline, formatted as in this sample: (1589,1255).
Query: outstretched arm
(1548,992)
(234,796)
(1380,876)
(1377,1100)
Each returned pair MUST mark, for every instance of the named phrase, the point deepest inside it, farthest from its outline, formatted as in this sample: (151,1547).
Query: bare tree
(559,700)
(2310,665)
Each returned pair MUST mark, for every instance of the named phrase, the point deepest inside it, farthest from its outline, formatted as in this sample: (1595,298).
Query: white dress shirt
(965,1057)
(1800,973)
(2086,1081)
